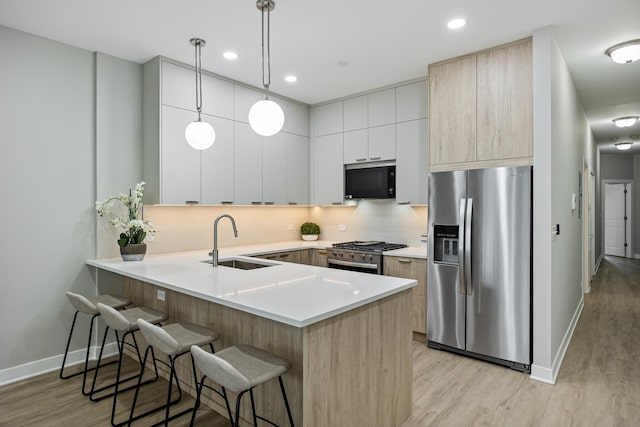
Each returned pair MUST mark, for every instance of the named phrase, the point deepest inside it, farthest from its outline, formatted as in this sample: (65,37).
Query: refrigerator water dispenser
(445,244)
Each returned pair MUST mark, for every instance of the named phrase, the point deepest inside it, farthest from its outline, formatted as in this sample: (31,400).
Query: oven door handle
(353,264)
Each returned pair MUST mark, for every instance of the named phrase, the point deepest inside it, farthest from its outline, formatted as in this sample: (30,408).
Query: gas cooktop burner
(372,246)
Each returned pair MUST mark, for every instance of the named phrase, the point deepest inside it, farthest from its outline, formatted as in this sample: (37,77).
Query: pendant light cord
(266,82)
(198,61)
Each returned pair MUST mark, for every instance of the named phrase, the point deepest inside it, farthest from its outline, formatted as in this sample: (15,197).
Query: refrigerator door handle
(461,231)
(467,246)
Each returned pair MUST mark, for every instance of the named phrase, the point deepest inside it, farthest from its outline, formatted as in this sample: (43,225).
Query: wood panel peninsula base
(352,369)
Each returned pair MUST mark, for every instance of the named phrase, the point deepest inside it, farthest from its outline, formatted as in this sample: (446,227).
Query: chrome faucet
(214,253)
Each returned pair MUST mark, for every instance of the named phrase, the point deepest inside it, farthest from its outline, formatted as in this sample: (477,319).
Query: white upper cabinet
(243,100)
(356,113)
(296,118)
(328,170)
(411,101)
(297,169)
(247,165)
(217,164)
(411,162)
(356,146)
(180,171)
(179,90)
(382,107)
(382,143)
(328,119)
(274,169)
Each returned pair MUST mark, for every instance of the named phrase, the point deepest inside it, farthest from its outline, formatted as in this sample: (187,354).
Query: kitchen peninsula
(347,335)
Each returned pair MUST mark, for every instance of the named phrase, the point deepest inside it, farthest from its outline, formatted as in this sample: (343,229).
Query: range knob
(364,257)
(352,255)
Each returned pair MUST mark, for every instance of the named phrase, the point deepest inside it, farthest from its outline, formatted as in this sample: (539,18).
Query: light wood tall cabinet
(411,268)
(481,109)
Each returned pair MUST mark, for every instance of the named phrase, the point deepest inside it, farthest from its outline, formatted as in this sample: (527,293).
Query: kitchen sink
(240,264)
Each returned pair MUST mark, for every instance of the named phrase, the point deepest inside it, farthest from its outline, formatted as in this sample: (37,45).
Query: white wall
(47,187)
(562,142)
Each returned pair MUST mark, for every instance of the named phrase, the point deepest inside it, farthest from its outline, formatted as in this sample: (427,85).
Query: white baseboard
(636,256)
(550,375)
(31,369)
(600,258)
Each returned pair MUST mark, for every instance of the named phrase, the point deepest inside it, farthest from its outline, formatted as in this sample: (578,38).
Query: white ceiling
(384,42)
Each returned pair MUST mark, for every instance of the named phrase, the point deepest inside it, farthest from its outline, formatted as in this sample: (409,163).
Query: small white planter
(309,237)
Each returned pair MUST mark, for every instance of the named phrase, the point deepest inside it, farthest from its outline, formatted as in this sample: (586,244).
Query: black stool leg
(253,408)
(286,402)
(237,422)
(66,350)
(196,405)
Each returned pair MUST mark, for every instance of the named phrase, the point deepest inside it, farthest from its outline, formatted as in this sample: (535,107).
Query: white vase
(309,237)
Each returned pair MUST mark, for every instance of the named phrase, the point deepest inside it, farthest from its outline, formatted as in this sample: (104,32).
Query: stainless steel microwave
(370,181)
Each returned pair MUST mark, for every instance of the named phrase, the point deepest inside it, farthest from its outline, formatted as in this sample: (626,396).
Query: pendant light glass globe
(200,135)
(266,117)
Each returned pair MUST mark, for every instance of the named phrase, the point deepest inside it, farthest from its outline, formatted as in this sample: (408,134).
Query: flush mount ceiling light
(625,122)
(625,53)
(231,56)
(454,24)
(623,145)
(290,79)
(265,116)
(200,135)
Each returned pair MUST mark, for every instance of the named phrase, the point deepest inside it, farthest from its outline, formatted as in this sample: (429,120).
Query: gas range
(364,256)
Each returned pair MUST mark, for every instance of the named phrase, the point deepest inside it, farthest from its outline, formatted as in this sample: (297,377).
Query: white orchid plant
(128,216)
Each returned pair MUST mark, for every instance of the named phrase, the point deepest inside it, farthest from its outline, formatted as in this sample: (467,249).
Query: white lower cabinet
(274,169)
(217,165)
(297,155)
(328,170)
(180,170)
(247,165)
(411,162)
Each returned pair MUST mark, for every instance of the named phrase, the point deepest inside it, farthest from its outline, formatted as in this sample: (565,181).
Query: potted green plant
(126,214)
(310,231)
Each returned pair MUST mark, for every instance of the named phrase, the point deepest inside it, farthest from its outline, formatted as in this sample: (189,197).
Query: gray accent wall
(47,186)
(616,166)
(563,143)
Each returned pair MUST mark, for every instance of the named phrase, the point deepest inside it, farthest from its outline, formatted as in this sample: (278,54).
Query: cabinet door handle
(293,203)
(376,158)
(403,202)
(191,202)
(336,203)
(270,257)
(404,260)
(256,203)
(227,202)
(322,252)
(284,255)
(268,203)
(361,160)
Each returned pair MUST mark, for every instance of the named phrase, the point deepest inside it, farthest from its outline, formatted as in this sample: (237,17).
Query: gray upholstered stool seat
(174,340)
(124,321)
(241,368)
(87,305)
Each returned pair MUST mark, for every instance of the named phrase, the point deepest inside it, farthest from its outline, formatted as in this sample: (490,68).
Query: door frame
(585,200)
(630,231)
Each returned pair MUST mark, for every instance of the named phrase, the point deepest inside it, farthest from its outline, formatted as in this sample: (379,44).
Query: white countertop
(409,252)
(294,294)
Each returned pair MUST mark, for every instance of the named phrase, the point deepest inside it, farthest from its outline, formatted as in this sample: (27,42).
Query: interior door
(614,219)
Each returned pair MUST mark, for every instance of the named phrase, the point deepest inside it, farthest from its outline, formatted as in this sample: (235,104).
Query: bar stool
(88,306)
(123,321)
(174,340)
(240,368)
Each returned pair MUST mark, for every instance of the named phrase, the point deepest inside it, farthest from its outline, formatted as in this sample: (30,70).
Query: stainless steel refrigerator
(479,275)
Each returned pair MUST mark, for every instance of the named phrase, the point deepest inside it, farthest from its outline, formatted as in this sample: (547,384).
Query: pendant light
(265,116)
(200,135)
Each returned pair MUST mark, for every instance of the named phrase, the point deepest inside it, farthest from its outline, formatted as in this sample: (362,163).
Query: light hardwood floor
(598,385)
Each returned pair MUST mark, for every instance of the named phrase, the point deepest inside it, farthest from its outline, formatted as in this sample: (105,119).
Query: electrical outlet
(289,227)
(342,227)
(160,295)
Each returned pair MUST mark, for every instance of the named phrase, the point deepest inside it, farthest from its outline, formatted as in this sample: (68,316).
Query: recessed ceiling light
(625,53)
(625,122)
(290,79)
(343,63)
(623,145)
(230,55)
(454,24)
(614,138)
